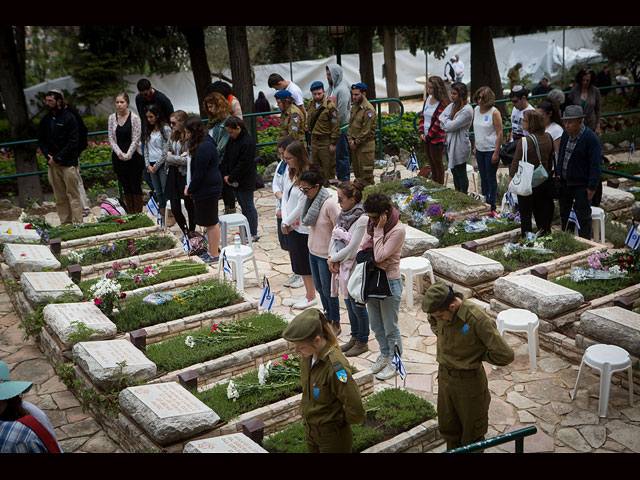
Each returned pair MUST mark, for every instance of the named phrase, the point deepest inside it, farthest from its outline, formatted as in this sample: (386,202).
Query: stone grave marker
(615,199)
(233,443)
(39,287)
(62,318)
(168,412)
(416,242)
(542,297)
(614,326)
(102,361)
(15,232)
(464,266)
(23,257)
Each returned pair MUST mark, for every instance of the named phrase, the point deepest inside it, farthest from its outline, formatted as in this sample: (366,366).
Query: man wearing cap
(324,130)
(579,169)
(331,400)
(361,134)
(466,337)
(291,118)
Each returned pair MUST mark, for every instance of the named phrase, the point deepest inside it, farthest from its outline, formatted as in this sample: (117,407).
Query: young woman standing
(431,134)
(157,143)
(176,162)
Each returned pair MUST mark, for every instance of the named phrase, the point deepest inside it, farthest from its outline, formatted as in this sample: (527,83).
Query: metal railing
(517,437)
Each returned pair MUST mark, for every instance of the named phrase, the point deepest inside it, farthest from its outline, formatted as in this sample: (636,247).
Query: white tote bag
(356,283)
(521,183)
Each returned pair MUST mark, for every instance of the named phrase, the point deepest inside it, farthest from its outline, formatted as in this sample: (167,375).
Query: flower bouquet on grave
(604,266)
(270,376)
(402,202)
(220,332)
(531,244)
(106,292)
(440,221)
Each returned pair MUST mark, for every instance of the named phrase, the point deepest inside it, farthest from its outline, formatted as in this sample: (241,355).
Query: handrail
(621,174)
(516,436)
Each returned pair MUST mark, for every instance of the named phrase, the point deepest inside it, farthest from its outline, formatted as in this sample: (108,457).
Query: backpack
(111,206)
(197,243)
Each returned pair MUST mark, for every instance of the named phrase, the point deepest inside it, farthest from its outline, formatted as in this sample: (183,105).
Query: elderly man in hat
(361,133)
(579,169)
(323,129)
(467,336)
(291,118)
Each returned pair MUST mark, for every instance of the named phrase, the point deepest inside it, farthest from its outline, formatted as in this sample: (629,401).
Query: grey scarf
(346,219)
(312,208)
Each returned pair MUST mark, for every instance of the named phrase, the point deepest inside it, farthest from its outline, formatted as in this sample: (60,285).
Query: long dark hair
(461,89)
(14,410)
(551,109)
(161,122)
(198,132)
(234,122)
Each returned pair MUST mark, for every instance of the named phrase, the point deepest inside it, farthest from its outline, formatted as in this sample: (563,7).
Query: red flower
(215,327)
(97,301)
(28,226)
(285,357)
(123,295)
(119,220)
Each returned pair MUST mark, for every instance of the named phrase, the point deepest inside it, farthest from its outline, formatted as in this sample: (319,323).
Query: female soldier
(331,399)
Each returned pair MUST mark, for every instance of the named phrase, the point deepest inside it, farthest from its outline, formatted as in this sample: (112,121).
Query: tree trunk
(199,64)
(20,39)
(240,67)
(484,65)
(12,87)
(365,54)
(390,74)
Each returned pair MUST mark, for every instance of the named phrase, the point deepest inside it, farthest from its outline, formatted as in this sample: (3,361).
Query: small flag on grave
(633,238)
(226,266)
(412,166)
(267,299)
(153,207)
(573,217)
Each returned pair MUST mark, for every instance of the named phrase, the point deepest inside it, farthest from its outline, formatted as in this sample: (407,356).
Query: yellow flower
(9,231)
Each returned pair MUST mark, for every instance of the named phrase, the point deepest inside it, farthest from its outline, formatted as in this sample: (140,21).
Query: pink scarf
(394,216)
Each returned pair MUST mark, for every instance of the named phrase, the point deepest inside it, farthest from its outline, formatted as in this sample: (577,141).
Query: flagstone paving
(519,398)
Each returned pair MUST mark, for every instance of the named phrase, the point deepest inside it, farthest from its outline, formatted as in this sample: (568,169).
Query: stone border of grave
(420,439)
(108,237)
(177,283)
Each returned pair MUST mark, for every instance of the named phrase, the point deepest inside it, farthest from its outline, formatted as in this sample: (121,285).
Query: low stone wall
(144,259)
(108,237)
(419,439)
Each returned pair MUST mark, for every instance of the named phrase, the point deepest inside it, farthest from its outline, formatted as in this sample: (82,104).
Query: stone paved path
(519,399)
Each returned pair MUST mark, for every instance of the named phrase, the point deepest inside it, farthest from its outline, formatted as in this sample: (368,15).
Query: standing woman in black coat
(239,169)
(206,182)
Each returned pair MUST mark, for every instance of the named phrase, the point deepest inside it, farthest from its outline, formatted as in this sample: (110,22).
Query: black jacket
(206,181)
(58,137)
(239,162)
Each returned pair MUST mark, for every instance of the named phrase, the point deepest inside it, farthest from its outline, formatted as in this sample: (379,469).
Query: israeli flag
(412,166)
(153,207)
(396,362)
(226,266)
(267,299)
(510,199)
(185,244)
(574,218)
(160,219)
(633,238)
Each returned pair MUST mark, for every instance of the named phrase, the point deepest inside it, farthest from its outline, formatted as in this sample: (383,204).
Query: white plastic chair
(521,320)
(607,359)
(597,215)
(470,170)
(228,224)
(411,266)
(237,255)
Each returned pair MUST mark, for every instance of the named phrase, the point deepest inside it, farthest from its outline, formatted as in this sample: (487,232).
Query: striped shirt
(18,438)
(568,151)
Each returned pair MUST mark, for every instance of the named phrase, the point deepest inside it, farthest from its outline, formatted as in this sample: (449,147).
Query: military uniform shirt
(362,123)
(330,395)
(327,123)
(292,123)
(468,339)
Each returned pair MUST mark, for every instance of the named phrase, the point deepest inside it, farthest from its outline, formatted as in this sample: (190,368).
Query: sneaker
(387,372)
(287,302)
(304,303)
(357,349)
(255,238)
(295,281)
(348,345)
(381,363)
(207,258)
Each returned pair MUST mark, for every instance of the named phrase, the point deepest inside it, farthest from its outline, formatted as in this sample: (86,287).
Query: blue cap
(316,85)
(281,94)
(359,86)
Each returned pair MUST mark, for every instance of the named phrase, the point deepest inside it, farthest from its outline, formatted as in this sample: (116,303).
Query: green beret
(302,326)
(435,297)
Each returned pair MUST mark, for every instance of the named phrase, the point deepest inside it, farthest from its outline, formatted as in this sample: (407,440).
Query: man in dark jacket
(579,167)
(58,139)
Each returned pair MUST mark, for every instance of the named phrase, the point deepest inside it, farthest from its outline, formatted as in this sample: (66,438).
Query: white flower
(23,217)
(189,341)
(453,230)
(507,249)
(232,392)
(75,256)
(105,286)
(263,372)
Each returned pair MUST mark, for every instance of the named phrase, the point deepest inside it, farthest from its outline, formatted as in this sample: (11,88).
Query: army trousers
(362,161)
(320,155)
(336,438)
(463,406)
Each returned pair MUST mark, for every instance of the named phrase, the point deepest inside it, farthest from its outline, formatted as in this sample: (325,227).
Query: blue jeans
(322,281)
(159,181)
(245,199)
(359,320)
(343,167)
(488,180)
(460,178)
(383,316)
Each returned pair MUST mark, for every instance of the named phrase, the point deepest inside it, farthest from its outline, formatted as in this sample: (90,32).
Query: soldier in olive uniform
(467,336)
(361,134)
(331,400)
(324,130)
(291,118)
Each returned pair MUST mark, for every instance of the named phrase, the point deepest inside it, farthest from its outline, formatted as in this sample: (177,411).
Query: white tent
(541,55)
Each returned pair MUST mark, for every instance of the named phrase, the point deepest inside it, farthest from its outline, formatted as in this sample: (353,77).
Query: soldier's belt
(460,373)
(325,427)
(317,136)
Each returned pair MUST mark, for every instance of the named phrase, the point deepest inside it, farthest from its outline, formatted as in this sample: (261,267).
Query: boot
(357,349)
(347,346)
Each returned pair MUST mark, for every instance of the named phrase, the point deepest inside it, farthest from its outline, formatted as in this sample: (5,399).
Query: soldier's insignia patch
(342,376)
(369,113)
(295,119)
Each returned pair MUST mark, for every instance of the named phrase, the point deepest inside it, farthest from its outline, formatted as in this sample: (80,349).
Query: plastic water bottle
(236,239)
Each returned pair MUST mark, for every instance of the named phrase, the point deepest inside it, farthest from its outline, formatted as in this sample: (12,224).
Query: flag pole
(567,225)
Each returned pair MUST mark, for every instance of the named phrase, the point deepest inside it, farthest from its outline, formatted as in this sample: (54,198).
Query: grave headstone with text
(614,326)
(15,232)
(464,266)
(542,297)
(168,412)
(416,242)
(233,443)
(40,287)
(23,257)
(64,320)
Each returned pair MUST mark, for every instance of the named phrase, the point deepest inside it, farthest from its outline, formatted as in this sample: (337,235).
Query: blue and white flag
(573,217)
(510,199)
(185,244)
(633,238)
(160,219)
(153,207)
(396,362)
(412,166)
(267,299)
(226,266)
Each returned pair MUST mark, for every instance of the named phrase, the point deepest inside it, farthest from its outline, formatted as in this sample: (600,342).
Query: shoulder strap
(315,119)
(523,142)
(535,142)
(43,433)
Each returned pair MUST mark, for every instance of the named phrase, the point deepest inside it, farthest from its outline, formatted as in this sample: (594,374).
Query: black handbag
(507,152)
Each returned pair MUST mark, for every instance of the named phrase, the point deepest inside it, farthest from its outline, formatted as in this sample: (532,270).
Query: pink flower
(215,327)
(97,301)
(285,357)
(28,226)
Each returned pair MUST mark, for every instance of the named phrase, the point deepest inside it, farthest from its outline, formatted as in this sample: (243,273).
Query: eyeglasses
(305,190)
(173,124)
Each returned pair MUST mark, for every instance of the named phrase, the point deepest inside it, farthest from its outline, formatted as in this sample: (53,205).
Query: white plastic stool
(607,359)
(237,255)
(231,220)
(470,170)
(410,266)
(521,320)
(597,214)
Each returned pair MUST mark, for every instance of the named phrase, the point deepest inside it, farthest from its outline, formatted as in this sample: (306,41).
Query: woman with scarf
(320,213)
(344,245)
(384,236)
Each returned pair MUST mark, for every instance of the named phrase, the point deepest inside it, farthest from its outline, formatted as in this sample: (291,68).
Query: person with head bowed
(338,93)
(323,129)
(291,117)
(586,94)
(279,84)
(157,144)
(552,121)
(361,134)
(455,121)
